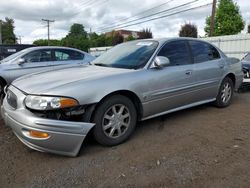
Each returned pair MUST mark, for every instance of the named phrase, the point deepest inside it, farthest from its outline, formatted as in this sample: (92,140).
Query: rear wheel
(225,95)
(115,120)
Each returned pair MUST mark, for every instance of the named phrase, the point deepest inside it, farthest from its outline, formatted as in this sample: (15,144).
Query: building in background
(125,33)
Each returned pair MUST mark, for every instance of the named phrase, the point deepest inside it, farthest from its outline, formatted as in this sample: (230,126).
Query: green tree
(146,34)
(77,38)
(77,30)
(76,42)
(130,38)
(248,28)
(188,30)
(228,19)
(8,36)
(44,42)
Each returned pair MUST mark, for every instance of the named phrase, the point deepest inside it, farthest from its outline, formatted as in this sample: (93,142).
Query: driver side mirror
(20,61)
(161,61)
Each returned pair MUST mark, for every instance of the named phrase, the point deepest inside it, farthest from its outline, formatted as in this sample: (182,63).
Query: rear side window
(177,52)
(203,52)
(64,55)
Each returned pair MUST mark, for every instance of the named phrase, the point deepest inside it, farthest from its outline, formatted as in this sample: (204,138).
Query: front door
(35,61)
(171,87)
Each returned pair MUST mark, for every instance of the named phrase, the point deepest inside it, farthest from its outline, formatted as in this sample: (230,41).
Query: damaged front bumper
(64,137)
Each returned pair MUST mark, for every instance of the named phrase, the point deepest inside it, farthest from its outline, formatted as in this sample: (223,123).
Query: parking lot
(199,147)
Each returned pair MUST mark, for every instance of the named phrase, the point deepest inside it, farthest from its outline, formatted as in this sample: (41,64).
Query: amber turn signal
(67,102)
(38,134)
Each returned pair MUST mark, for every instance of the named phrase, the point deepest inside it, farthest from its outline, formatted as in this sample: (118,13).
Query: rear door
(208,68)
(67,58)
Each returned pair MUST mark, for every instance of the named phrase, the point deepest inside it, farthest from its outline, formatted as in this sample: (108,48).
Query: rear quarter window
(203,52)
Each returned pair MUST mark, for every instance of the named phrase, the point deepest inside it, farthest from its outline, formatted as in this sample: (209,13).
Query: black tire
(106,108)
(2,85)
(220,103)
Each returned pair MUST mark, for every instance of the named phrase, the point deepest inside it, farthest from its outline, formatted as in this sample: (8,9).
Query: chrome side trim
(179,108)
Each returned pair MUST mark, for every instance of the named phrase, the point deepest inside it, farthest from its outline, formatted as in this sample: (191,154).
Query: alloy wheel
(116,121)
(226,92)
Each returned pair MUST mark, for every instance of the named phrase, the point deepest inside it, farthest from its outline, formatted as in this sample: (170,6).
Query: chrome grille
(11,99)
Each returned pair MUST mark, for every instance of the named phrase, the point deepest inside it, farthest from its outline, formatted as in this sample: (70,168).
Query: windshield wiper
(100,64)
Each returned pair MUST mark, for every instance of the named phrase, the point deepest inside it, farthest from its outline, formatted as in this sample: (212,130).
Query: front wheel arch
(129,94)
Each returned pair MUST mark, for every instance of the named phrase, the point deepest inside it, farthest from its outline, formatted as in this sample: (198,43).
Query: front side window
(38,56)
(203,52)
(177,52)
(64,55)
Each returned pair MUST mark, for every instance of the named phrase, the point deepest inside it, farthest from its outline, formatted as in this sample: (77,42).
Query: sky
(95,15)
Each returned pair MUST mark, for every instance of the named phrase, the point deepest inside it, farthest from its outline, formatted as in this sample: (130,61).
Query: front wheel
(115,120)
(225,95)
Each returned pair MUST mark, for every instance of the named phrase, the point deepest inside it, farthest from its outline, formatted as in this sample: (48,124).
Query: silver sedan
(134,81)
(36,59)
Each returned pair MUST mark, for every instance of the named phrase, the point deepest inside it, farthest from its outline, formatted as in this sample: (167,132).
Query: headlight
(49,103)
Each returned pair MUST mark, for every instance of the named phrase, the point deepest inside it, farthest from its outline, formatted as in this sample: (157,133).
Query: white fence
(232,45)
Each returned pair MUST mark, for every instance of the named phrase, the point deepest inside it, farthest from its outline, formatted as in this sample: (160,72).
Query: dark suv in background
(7,50)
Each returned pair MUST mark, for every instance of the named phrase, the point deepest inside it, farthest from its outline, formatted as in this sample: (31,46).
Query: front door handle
(188,72)
(221,65)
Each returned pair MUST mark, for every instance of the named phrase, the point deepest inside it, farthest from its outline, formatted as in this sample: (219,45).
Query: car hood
(43,82)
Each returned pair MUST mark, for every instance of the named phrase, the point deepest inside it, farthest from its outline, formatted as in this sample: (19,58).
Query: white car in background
(37,59)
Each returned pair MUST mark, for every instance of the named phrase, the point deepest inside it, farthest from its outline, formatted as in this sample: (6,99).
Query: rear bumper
(65,137)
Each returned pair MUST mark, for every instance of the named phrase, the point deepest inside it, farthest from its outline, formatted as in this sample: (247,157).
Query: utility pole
(48,25)
(1,41)
(212,18)
(20,39)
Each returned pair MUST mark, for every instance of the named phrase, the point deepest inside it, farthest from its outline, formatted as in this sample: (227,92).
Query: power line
(89,5)
(19,37)
(138,13)
(154,14)
(164,16)
(48,26)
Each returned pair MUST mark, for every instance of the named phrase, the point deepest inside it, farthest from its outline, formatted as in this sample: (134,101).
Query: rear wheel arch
(232,77)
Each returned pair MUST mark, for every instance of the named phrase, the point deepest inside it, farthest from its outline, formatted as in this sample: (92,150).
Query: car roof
(54,47)
(163,40)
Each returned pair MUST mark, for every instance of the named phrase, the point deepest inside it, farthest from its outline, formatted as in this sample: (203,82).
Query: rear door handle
(188,72)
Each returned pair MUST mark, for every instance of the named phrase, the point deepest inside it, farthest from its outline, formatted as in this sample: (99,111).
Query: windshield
(129,55)
(247,57)
(13,56)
